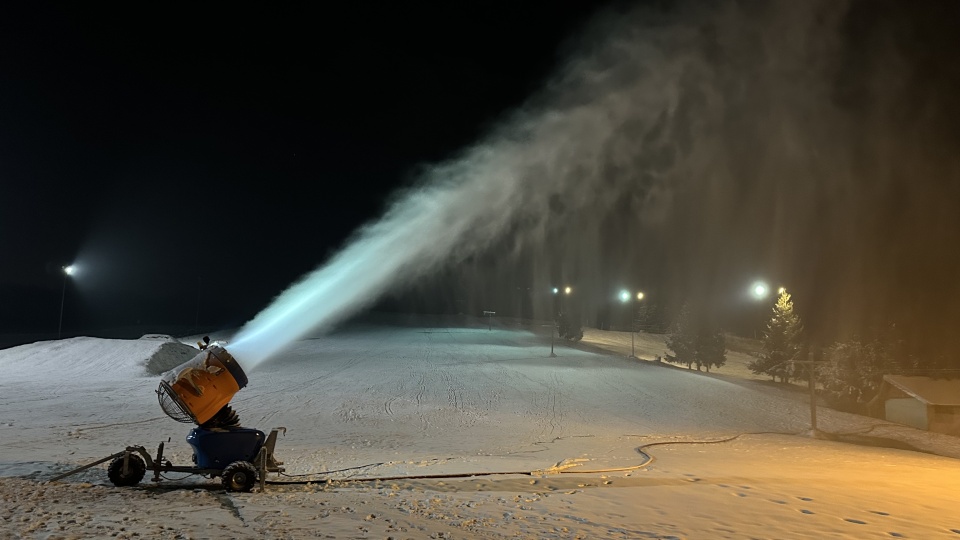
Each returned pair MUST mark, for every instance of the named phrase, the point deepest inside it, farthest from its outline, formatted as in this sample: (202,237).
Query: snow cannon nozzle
(199,390)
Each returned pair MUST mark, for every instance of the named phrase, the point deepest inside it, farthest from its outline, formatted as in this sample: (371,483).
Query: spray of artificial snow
(720,133)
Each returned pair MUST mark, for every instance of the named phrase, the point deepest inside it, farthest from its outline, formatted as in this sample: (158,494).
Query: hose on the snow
(642,450)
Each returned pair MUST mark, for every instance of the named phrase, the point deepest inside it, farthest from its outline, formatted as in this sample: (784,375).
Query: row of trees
(849,373)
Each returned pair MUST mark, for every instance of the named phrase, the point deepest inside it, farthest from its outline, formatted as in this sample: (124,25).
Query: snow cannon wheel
(135,471)
(239,476)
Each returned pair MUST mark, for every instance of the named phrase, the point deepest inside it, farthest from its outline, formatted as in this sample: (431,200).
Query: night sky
(234,147)
(685,148)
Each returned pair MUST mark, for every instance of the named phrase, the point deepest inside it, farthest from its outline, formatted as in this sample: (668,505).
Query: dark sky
(231,146)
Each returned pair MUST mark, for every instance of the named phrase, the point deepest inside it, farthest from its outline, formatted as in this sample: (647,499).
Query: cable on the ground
(642,450)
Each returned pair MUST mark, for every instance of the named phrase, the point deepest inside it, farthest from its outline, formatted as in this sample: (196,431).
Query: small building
(922,402)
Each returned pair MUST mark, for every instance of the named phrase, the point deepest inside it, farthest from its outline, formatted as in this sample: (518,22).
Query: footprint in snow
(879,513)
(857,521)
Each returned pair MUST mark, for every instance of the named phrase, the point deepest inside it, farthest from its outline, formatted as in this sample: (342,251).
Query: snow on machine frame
(199,391)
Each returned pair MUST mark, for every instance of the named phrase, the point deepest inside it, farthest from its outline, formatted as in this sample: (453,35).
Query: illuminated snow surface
(448,400)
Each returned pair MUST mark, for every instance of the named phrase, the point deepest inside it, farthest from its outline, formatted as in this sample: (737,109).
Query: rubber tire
(239,476)
(133,477)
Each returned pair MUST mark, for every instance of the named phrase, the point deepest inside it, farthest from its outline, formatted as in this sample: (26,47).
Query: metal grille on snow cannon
(199,390)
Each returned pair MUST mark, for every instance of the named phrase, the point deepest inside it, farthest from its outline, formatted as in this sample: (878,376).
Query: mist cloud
(688,149)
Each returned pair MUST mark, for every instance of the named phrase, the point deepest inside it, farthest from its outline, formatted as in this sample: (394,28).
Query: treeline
(848,374)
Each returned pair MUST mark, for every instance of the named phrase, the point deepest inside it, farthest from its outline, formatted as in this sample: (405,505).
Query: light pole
(624,298)
(561,320)
(566,292)
(67,271)
(554,328)
(759,291)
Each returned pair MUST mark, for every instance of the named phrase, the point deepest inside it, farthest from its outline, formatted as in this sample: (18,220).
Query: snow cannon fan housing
(198,389)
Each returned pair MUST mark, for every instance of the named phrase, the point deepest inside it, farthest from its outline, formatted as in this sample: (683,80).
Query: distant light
(567,290)
(781,290)
(555,290)
(639,296)
(624,296)
(760,290)
(69,270)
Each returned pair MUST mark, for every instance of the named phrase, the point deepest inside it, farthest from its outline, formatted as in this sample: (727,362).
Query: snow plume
(678,143)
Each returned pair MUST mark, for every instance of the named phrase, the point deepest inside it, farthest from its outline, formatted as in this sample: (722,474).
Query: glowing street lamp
(67,271)
(760,290)
(624,298)
(567,290)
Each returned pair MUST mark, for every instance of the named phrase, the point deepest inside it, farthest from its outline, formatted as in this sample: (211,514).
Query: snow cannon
(199,390)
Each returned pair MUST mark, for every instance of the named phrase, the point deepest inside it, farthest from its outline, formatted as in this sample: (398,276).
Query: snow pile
(169,355)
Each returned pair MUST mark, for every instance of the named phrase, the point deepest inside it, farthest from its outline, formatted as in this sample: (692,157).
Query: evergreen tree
(852,371)
(781,342)
(682,340)
(711,348)
(696,341)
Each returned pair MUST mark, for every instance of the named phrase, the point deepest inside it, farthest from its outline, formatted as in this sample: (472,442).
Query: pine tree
(682,340)
(781,342)
(696,341)
(711,348)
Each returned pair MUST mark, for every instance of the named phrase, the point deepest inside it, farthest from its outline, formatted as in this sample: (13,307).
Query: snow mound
(169,355)
(103,359)
(161,337)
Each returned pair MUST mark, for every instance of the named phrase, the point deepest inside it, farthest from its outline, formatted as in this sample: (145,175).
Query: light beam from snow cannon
(200,389)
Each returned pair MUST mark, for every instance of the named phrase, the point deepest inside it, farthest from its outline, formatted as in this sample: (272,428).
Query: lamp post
(758,291)
(624,298)
(566,292)
(564,327)
(67,271)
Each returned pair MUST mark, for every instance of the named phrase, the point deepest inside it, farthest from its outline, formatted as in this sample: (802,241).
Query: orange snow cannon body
(198,389)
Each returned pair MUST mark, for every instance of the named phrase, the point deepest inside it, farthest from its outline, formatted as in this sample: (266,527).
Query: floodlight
(760,290)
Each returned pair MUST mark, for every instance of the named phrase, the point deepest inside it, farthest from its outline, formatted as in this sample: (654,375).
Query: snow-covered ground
(389,401)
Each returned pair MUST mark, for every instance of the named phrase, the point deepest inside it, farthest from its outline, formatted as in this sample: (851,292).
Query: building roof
(927,390)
